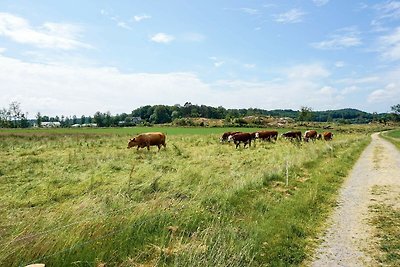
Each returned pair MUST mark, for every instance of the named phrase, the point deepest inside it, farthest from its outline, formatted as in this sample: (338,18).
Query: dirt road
(349,240)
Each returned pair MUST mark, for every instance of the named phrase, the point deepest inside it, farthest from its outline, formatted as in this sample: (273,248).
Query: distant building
(130,121)
(89,125)
(50,124)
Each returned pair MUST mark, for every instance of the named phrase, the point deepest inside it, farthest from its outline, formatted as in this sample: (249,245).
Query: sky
(78,57)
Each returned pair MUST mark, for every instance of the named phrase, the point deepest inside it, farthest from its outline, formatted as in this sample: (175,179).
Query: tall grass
(83,199)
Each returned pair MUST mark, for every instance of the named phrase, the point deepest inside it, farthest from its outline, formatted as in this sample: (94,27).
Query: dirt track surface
(349,240)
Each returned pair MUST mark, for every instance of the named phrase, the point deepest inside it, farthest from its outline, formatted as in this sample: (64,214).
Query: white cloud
(122,24)
(389,45)
(320,2)
(68,90)
(63,89)
(327,90)
(162,38)
(360,80)
(249,66)
(2,50)
(49,35)
(350,90)
(250,11)
(391,92)
(343,38)
(217,62)
(377,26)
(308,72)
(292,16)
(119,22)
(339,64)
(388,10)
(139,18)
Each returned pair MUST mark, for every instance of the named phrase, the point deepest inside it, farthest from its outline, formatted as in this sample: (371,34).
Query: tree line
(13,117)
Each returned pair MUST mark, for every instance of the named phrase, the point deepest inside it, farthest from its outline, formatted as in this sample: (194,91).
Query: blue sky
(79,57)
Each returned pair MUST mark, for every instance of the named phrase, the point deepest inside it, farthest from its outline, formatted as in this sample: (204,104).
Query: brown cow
(292,135)
(147,140)
(225,136)
(241,138)
(267,135)
(326,135)
(310,134)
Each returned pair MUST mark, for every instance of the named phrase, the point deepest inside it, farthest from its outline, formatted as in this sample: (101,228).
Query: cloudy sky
(79,57)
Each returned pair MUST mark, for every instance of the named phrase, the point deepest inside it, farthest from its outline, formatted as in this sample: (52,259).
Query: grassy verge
(386,219)
(392,136)
(84,200)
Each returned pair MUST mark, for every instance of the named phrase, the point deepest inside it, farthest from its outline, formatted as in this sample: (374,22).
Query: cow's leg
(159,146)
(237,144)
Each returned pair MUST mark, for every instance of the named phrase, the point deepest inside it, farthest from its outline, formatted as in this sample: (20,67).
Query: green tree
(306,114)
(175,115)
(39,119)
(5,118)
(15,112)
(396,112)
(107,119)
(98,118)
(160,115)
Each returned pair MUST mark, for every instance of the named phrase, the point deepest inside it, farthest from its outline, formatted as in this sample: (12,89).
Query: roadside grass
(386,216)
(392,136)
(386,219)
(84,199)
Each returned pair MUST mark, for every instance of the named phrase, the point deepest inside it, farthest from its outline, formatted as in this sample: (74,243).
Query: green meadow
(393,136)
(79,197)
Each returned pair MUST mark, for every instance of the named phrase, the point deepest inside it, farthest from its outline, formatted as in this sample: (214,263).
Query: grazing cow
(292,135)
(147,140)
(326,135)
(267,135)
(241,138)
(225,136)
(311,134)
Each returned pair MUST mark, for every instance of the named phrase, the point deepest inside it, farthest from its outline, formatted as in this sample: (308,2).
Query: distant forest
(177,114)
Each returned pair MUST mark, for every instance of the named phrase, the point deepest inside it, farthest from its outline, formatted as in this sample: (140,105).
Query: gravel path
(349,240)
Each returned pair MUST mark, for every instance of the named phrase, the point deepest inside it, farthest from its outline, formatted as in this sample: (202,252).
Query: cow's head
(132,142)
(230,138)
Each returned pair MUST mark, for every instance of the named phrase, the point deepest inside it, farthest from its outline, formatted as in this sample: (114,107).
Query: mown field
(78,197)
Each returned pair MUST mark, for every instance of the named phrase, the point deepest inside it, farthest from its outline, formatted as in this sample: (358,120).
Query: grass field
(79,197)
(393,136)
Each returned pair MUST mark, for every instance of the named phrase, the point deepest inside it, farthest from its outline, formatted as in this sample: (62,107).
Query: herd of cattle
(158,139)
(247,138)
